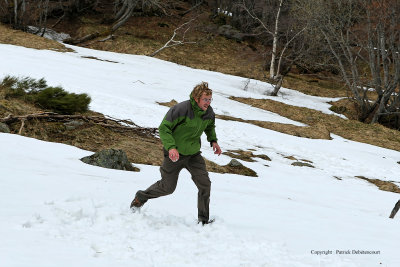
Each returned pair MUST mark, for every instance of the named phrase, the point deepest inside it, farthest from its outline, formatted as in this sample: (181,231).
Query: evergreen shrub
(37,92)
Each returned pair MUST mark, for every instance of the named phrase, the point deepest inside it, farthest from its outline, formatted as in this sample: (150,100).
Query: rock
(302,164)
(235,163)
(49,34)
(111,159)
(71,125)
(231,33)
(212,28)
(4,128)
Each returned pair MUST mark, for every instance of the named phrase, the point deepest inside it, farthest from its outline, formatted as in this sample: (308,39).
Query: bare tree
(282,39)
(363,36)
(124,10)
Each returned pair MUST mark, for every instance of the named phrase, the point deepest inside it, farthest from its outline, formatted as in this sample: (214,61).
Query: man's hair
(199,89)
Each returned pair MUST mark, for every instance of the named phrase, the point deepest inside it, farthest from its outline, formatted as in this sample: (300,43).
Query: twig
(191,9)
(171,42)
(83,39)
(111,36)
(126,125)
(58,21)
(22,126)
(139,81)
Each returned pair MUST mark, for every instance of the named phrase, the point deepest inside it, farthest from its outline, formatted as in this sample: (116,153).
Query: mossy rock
(302,164)
(111,159)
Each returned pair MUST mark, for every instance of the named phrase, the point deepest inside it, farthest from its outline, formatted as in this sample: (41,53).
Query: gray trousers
(169,177)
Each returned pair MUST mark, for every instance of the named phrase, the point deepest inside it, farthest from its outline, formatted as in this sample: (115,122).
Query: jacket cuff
(171,147)
(213,141)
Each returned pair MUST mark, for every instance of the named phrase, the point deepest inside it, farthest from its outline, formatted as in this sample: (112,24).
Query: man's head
(202,95)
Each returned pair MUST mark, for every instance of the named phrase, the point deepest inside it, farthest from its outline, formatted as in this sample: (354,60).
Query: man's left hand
(216,148)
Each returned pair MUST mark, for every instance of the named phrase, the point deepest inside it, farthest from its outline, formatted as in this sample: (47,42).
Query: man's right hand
(173,154)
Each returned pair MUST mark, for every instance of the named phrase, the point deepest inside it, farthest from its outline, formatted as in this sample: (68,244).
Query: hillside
(289,215)
(324,181)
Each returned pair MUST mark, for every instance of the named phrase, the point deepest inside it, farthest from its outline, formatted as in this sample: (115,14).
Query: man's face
(204,101)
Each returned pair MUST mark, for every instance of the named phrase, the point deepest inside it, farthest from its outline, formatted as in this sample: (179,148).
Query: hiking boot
(136,204)
(203,222)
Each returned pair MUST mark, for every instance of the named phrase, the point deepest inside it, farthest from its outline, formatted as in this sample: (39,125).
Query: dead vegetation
(240,170)
(314,132)
(93,131)
(245,155)
(374,134)
(345,106)
(324,85)
(382,185)
(16,37)
(169,104)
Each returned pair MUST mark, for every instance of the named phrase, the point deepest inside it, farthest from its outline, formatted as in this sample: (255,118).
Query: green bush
(22,87)
(56,99)
(38,93)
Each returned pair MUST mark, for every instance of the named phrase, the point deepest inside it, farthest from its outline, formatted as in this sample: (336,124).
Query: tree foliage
(37,92)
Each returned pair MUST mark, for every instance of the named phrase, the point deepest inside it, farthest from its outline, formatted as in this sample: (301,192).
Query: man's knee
(202,181)
(169,188)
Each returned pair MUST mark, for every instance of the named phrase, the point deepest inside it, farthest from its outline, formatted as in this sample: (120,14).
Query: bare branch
(171,42)
(126,125)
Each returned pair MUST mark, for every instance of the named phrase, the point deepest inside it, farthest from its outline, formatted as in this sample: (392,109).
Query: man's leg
(169,178)
(197,168)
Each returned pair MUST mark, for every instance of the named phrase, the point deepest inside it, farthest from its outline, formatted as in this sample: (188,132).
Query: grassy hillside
(144,35)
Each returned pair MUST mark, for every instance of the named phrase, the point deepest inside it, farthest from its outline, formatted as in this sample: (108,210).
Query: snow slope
(56,210)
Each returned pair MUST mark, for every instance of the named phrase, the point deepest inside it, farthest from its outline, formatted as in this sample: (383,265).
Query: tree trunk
(278,85)
(275,42)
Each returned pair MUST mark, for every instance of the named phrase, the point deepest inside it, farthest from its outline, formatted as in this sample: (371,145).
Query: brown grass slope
(16,37)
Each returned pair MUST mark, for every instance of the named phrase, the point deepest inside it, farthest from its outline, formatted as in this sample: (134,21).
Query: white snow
(57,211)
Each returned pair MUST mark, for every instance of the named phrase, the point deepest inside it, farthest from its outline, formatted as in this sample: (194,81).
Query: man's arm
(212,137)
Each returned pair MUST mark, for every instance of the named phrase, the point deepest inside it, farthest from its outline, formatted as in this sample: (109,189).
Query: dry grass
(382,185)
(245,155)
(142,149)
(16,37)
(312,132)
(241,170)
(169,104)
(345,106)
(316,85)
(374,134)
(144,35)
(210,52)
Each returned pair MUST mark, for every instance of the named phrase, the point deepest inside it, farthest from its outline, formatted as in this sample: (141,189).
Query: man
(180,133)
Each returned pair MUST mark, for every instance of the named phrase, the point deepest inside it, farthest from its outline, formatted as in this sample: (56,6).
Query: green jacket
(183,125)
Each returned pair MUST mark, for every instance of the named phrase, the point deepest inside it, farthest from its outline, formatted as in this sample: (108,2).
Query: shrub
(56,99)
(21,87)
(38,93)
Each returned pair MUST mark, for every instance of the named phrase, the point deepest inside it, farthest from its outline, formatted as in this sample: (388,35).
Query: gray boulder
(235,163)
(71,125)
(231,33)
(111,159)
(4,128)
